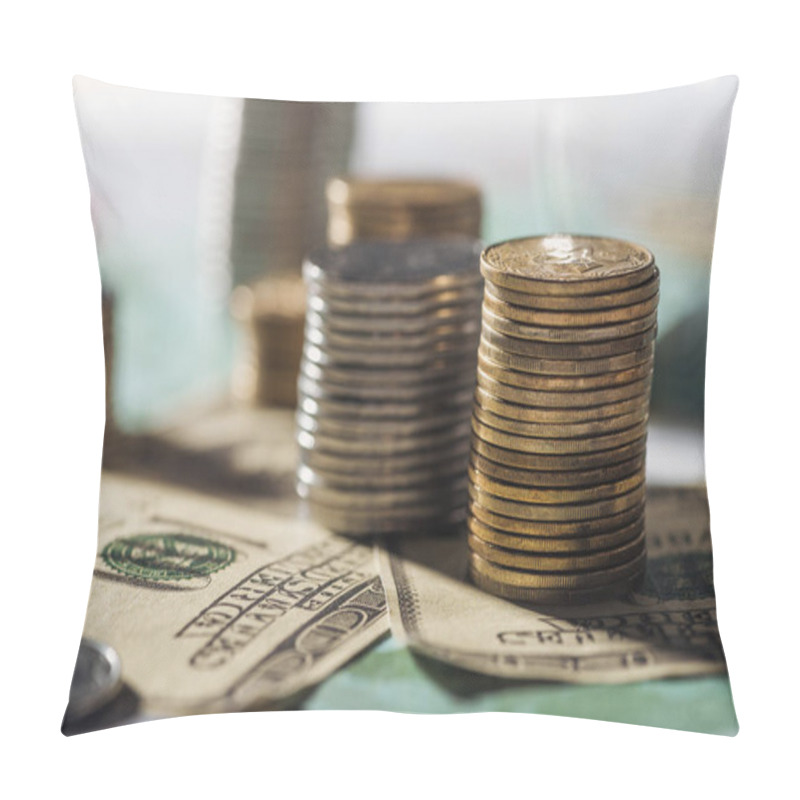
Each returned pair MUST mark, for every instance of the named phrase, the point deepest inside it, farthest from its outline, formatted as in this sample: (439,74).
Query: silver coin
(397,501)
(380,524)
(399,266)
(96,680)
(408,462)
(385,445)
(442,302)
(358,428)
(392,410)
(443,369)
(328,320)
(422,475)
(388,392)
(466,335)
(402,358)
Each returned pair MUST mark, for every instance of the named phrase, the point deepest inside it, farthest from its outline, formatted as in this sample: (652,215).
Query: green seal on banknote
(167,556)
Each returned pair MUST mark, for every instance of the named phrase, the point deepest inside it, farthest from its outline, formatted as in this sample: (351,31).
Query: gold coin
(551,416)
(556,597)
(566,350)
(548,562)
(557,463)
(559,430)
(545,496)
(564,366)
(567,512)
(556,383)
(542,580)
(553,544)
(563,264)
(557,447)
(557,529)
(566,335)
(583,399)
(569,319)
(576,303)
(545,480)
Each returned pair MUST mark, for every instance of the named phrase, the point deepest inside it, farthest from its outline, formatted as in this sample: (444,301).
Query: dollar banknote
(668,627)
(217,607)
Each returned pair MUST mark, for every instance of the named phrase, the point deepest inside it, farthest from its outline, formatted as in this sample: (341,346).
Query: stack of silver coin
(386,384)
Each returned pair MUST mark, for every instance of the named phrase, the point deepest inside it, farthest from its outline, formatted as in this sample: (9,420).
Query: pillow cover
(212,589)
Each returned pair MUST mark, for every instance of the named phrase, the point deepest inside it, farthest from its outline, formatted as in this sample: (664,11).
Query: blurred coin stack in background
(271,316)
(386,384)
(400,209)
(559,422)
(288,152)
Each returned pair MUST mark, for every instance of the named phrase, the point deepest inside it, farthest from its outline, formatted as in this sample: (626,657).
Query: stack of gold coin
(401,209)
(557,465)
(386,384)
(271,315)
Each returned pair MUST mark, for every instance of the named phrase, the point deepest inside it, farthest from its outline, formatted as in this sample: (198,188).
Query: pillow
(213,590)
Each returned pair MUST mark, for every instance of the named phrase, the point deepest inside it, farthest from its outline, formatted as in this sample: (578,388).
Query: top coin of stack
(386,384)
(401,209)
(271,314)
(560,418)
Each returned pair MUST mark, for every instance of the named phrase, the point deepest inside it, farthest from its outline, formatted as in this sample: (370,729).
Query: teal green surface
(389,677)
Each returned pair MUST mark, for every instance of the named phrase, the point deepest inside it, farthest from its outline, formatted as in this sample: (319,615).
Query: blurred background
(193,196)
